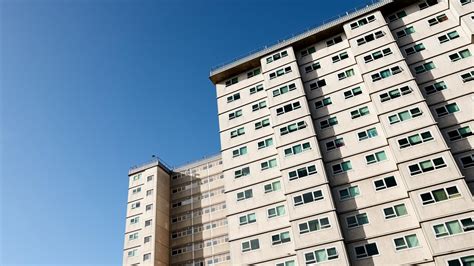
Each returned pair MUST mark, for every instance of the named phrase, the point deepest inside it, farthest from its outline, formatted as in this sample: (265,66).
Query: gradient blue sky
(91,87)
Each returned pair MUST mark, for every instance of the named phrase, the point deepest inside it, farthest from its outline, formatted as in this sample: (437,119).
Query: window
(414,139)
(453,227)
(288,108)
(258,106)
(466,77)
(386,73)
(136,177)
(308,197)
(414,49)
(317,84)
(437,19)
(235,114)
(314,225)
(281,238)
(275,186)
(286,263)
(427,3)
(435,87)
(292,127)
(247,219)
(405,32)
(135,205)
(377,55)
(276,56)
(346,74)
(308,51)
(426,166)
(276,211)
(424,67)
(367,250)
(385,183)
(136,190)
(367,134)
(297,149)
(438,195)
(147,223)
(360,112)
(312,67)
(253,73)
(148,207)
(341,167)
(362,22)
(466,260)
(448,36)
(240,151)
(132,253)
(250,245)
(265,143)
(409,241)
(302,172)
(135,220)
(405,115)
(357,220)
(340,57)
(263,123)
(395,211)
(393,94)
(459,133)
(237,132)
(268,164)
(146,256)
(256,89)
(334,144)
(370,37)
(447,109)
(460,55)
(332,121)
(321,255)
(280,72)
(234,97)
(147,239)
(465,2)
(149,178)
(284,89)
(352,92)
(397,16)
(324,102)
(132,236)
(333,41)
(247,194)
(242,172)
(349,192)
(467,161)
(149,192)
(232,81)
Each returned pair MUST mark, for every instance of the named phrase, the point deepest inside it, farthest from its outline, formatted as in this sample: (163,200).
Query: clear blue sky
(91,87)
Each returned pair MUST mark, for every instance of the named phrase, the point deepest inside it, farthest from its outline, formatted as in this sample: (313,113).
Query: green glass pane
(321,255)
(414,139)
(281,210)
(381,156)
(400,209)
(412,241)
(385,73)
(313,225)
(465,53)
(362,219)
(273,163)
(276,186)
(243,219)
(452,108)
(429,66)
(410,30)
(252,217)
(440,230)
(297,149)
(400,243)
(454,227)
(354,191)
(346,166)
(404,115)
(440,195)
(453,35)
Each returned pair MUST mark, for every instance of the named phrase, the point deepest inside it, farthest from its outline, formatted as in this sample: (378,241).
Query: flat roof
(299,40)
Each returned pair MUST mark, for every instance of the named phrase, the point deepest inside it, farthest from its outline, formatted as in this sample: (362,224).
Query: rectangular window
(302,172)
(362,22)
(247,219)
(280,72)
(135,220)
(453,227)
(286,263)
(424,67)
(276,211)
(352,92)
(357,220)
(237,132)
(281,238)
(317,84)
(367,134)
(292,127)
(136,177)
(321,255)
(256,89)
(259,105)
(349,193)
(314,225)
(253,73)
(377,55)
(247,194)
(370,37)
(333,41)
(149,192)
(426,166)
(240,151)
(385,183)
(277,56)
(341,167)
(132,236)
(332,121)
(465,2)
(297,149)
(322,103)
(235,114)
(234,97)
(250,245)
(265,143)
(334,144)
(447,109)
(312,67)
(448,37)
(346,74)
(284,89)
(427,3)
(232,81)
(395,211)
(460,133)
(460,55)
(242,172)
(136,190)
(149,178)
(437,19)
(466,260)
(467,161)
(275,186)
(263,123)
(367,250)
(397,16)
(405,32)
(405,115)
(146,256)
(148,207)
(147,223)
(308,197)
(393,94)
(132,253)
(340,57)
(435,87)
(147,239)
(268,164)
(135,205)
(360,112)
(439,195)
(414,139)
(406,242)
(308,51)
(386,73)
(288,108)
(414,49)
(466,77)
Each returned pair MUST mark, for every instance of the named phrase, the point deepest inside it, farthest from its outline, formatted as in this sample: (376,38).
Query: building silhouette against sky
(350,143)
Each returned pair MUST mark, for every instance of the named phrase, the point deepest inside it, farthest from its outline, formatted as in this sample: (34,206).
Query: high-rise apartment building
(350,143)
